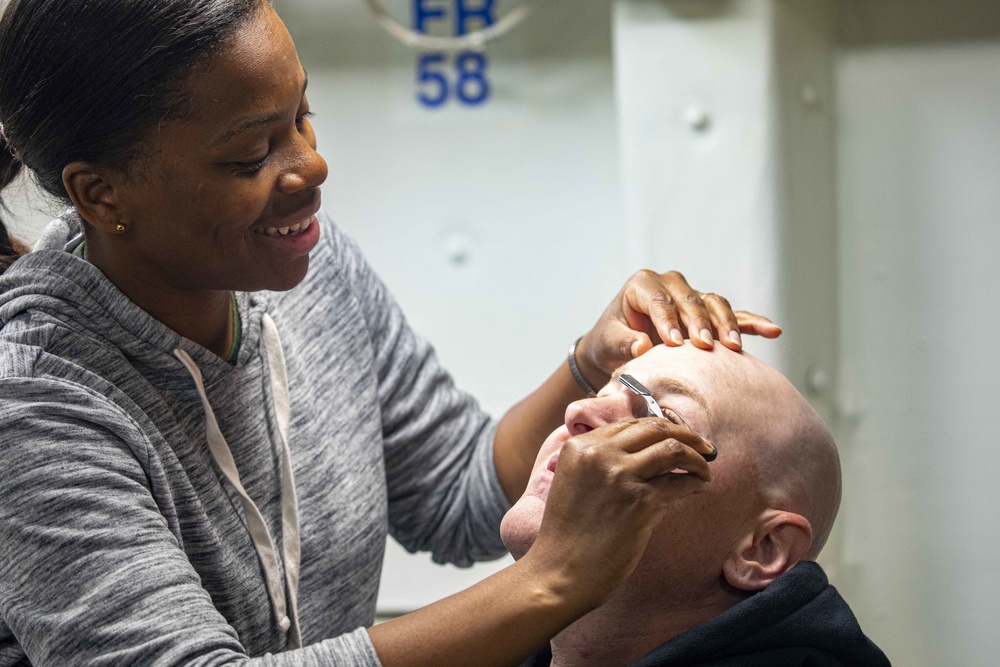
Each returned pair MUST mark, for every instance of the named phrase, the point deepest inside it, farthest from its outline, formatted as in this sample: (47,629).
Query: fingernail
(676,336)
(706,336)
(713,455)
(635,349)
(735,337)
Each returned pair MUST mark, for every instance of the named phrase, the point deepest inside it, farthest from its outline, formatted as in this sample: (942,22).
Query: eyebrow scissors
(636,386)
(652,408)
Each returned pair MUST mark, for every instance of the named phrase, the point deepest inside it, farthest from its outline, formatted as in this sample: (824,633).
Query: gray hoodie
(123,538)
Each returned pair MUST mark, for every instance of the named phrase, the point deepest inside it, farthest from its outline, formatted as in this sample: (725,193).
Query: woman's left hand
(655,308)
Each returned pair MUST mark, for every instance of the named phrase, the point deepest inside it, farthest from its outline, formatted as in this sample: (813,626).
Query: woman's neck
(206,319)
(203,316)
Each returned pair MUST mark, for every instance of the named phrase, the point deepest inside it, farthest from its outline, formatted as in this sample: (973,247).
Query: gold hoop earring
(120,228)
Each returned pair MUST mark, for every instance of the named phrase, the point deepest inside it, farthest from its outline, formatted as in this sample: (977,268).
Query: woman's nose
(309,170)
(590,413)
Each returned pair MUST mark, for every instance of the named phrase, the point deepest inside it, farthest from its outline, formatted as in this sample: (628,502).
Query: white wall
(920,231)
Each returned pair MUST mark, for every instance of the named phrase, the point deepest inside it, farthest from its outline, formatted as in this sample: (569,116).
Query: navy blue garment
(799,620)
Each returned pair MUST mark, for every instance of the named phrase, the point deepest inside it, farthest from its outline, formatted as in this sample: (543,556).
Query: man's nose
(591,413)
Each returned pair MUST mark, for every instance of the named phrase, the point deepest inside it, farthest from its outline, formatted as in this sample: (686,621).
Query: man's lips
(541,477)
(539,484)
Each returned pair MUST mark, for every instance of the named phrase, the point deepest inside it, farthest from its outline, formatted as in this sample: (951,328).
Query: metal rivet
(817,381)
(810,98)
(698,119)
(457,250)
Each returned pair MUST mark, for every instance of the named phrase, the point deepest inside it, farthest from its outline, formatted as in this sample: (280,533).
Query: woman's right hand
(611,488)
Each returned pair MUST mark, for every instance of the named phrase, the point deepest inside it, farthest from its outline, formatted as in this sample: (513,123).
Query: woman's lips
(295,243)
(297,228)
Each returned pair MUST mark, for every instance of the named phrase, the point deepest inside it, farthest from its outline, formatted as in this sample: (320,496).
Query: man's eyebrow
(671,386)
(255,121)
(665,385)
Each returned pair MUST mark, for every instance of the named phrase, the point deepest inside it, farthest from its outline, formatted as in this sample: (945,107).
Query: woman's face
(207,208)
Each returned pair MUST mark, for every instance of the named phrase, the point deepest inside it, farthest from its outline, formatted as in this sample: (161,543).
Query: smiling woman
(180,484)
(87,136)
(243,162)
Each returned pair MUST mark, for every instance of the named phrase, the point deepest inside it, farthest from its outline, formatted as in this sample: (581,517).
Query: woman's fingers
(668,456)
(673,307)
(642,449)
(655,308)
(752,323)
(650,430)
(658,447)
(724,320)
(651,308)
(673,310)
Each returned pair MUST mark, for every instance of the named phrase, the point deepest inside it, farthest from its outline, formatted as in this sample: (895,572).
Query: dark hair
(87,79)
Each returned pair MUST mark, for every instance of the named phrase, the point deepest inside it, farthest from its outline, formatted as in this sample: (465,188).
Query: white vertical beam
(693,88)
(728,158)
(803,116)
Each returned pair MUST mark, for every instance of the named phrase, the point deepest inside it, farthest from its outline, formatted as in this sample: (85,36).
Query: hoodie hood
(799,619)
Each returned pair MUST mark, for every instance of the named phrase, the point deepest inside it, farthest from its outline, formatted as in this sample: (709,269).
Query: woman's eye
(251,167)
(300,121)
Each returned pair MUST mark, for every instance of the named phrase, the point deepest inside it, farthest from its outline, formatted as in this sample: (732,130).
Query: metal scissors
(652,408)
(636,386)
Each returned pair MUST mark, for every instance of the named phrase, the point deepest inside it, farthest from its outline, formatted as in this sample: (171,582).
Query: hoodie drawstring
(285,610)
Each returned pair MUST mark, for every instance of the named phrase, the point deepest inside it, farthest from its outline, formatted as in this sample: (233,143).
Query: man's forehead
(660,383)
(685,371)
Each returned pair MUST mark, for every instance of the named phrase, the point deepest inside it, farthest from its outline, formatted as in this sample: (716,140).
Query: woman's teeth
(283,231)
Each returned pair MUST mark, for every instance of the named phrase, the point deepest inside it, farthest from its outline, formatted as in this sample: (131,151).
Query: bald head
(782,441)
(776,478)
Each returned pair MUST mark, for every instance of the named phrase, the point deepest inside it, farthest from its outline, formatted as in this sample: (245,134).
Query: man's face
(699,390)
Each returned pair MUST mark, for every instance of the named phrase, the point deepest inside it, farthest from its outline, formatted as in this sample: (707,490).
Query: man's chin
(520,525)
(518,542)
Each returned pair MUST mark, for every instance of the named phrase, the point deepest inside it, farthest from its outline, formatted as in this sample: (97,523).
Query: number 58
(471,86)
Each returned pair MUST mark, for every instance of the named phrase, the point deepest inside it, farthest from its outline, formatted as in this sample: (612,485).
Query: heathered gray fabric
(121,544)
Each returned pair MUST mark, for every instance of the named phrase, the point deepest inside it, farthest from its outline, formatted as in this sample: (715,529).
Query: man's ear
(780,540)
(94,191)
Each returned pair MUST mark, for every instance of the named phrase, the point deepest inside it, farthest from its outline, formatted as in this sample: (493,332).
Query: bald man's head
(781,439)
(776,482)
